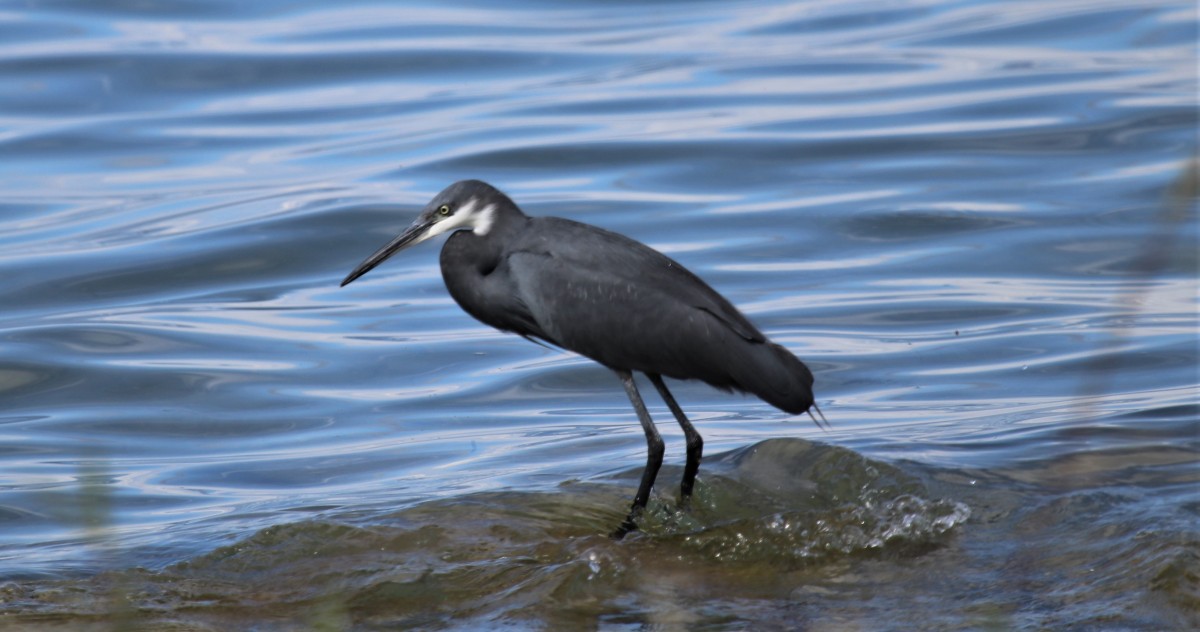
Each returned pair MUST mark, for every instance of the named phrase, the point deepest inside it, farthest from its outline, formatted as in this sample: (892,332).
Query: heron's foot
(686,494)
(627,525)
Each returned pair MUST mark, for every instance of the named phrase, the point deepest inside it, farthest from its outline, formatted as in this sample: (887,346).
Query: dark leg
(654,455)
(695,445)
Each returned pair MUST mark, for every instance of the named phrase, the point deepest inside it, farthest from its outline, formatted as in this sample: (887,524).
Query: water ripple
(975,222)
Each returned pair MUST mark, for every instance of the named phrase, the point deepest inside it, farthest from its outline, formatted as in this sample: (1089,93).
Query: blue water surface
(975,221)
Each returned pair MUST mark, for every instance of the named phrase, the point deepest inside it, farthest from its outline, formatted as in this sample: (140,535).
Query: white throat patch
(480,221)
(484,219)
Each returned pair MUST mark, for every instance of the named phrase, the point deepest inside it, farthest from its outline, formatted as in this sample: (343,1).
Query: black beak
(411,234)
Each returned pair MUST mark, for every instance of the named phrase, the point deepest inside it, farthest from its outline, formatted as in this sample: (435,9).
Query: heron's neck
(482,250)
(505,221)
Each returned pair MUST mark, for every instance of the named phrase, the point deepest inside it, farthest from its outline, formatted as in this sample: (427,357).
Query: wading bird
(606,297)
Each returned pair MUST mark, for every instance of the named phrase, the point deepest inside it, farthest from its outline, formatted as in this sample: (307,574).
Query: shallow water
(975,221)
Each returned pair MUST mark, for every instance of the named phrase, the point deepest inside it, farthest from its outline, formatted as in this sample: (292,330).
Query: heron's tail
(777,376)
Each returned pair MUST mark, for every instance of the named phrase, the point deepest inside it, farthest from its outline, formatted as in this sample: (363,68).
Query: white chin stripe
(466,217)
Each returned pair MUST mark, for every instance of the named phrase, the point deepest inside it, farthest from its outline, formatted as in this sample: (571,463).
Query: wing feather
(607,261)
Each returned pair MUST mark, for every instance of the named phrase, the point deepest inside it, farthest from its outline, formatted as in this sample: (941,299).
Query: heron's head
(467,205)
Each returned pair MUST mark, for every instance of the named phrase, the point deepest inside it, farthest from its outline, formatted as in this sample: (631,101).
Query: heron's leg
(695,444)
(654,455)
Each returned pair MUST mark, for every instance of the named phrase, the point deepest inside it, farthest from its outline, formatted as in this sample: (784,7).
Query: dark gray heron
(606,297)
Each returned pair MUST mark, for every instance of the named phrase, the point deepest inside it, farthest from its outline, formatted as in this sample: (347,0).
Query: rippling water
(976,221)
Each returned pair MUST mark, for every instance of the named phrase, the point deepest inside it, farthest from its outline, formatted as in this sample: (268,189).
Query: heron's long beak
(411,235)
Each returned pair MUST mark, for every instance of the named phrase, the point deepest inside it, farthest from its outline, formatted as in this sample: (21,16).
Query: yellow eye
(444,210)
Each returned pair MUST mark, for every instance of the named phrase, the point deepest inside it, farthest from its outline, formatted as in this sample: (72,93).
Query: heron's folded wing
(579,257)
(626,324)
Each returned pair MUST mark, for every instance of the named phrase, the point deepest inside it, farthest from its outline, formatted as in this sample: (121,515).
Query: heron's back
(627,306)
